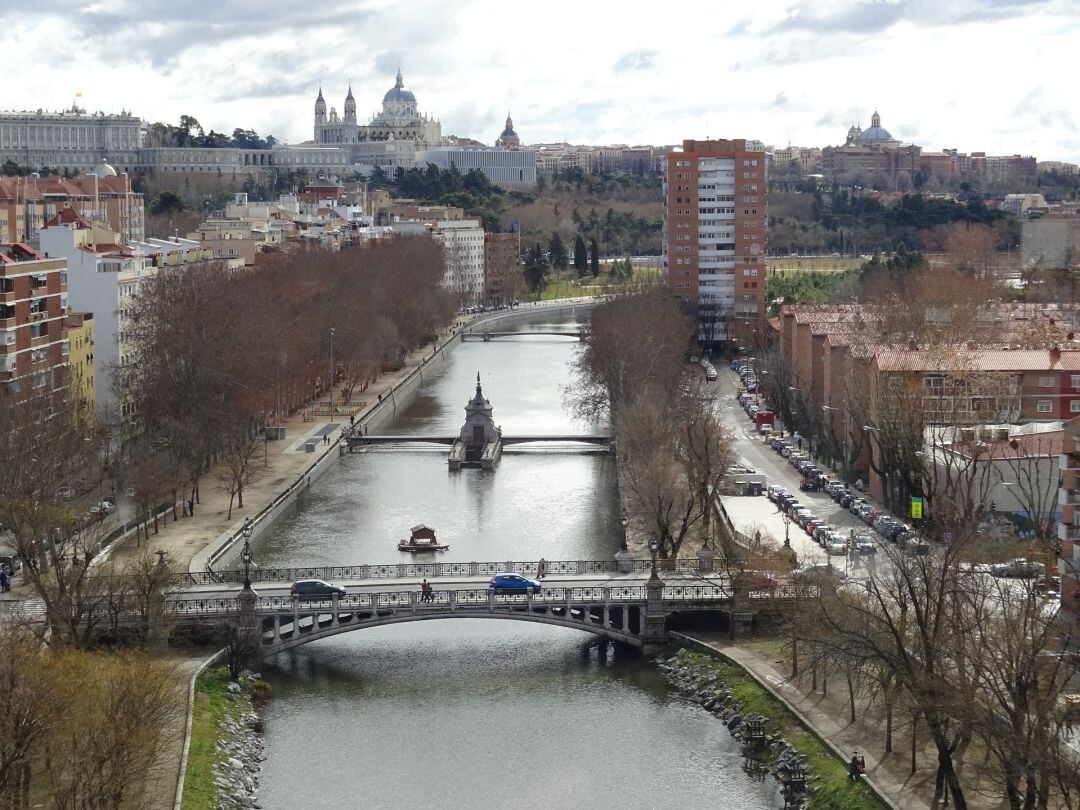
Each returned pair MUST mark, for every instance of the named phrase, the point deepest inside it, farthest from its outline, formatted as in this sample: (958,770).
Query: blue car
(513,583)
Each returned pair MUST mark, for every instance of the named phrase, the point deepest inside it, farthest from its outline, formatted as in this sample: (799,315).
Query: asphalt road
(750,514)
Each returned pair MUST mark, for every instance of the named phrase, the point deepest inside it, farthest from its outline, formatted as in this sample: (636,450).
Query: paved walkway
(828,715)
(890,775)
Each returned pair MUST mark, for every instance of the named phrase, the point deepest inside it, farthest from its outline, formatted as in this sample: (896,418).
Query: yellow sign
(916,508)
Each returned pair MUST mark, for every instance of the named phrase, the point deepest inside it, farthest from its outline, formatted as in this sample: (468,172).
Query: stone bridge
(614,600)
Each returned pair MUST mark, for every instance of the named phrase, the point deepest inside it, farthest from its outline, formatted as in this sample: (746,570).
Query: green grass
(831,788)
(211,704)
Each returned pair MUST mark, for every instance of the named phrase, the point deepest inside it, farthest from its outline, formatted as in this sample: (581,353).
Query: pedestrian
(855,767)
(352,421)
(5,580)
(425,591)
(365,430)
(541,568)
(191,507)
(380,397)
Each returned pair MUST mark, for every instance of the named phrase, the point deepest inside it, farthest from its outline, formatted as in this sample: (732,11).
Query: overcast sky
(993,75)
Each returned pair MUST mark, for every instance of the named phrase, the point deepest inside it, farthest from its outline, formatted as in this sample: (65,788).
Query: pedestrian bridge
(568,438)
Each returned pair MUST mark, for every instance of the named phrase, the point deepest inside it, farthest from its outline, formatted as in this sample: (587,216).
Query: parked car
(315,589)
(774,491)
(513,583)
(847,498)
(864,544)
(10,560)
(1018,568)
(836,547)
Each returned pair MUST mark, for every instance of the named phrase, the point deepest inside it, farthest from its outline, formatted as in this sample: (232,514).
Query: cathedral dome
(875,133)
(398,93)
(103,169)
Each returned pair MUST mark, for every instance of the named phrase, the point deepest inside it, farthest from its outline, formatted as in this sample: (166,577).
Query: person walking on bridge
(541,568)
(425,591)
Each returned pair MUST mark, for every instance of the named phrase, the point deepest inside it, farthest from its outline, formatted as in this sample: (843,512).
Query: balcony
(1068,531)
(1069,461)
(1068,497)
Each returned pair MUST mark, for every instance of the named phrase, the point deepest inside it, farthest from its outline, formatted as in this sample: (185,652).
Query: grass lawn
(568,285)
(211,704)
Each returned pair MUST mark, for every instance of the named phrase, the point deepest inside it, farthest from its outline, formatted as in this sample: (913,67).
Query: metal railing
(432,570)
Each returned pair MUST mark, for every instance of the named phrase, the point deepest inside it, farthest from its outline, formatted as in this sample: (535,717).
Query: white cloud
(994,75)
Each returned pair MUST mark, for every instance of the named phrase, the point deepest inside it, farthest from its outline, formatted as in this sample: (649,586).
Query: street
(753,514)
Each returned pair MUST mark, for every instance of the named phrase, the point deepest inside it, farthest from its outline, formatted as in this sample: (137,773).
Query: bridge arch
(280,632)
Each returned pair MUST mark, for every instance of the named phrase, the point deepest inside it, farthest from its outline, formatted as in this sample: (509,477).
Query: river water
(481,713)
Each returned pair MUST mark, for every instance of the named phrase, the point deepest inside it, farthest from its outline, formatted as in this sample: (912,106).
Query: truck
(763,418)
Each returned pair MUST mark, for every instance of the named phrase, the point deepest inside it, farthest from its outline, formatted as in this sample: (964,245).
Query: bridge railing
(432,570)
(469,597)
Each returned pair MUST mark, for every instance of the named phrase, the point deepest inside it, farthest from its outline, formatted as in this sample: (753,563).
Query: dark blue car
(513,583)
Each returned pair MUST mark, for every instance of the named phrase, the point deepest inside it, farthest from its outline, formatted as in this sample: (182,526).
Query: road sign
(916,508)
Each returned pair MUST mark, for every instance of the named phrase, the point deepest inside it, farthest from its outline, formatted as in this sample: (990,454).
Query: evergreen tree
(594,258)
(536,269)
(581,256)
(560,260)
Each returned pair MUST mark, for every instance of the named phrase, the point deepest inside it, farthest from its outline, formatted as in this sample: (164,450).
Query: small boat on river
(422,538)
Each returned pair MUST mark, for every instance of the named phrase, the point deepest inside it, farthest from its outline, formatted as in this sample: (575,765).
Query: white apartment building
(102,275)
(509,168)
(463,248)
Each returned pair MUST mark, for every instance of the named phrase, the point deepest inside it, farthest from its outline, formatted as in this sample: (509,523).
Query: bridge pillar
(277,628)
(246,604)
(626,618)
(653,630)
(334,610)
(474,569)
(705,556)
(624,561)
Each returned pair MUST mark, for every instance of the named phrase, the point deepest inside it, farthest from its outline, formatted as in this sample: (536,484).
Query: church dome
(398,93)
(103,169)
(875,133)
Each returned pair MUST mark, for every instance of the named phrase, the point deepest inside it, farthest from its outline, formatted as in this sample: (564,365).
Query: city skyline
(788,72)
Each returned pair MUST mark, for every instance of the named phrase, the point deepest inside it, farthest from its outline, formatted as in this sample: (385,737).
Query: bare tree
(239,455)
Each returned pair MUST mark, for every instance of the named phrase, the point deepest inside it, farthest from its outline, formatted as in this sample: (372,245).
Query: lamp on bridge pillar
(245,555)
(654,547)
(624,521)
(787,529)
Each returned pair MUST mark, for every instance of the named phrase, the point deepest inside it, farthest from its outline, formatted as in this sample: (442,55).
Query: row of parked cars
(744,367)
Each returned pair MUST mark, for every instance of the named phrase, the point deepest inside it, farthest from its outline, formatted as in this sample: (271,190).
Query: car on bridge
(315,589)
(513,583)
(1018,568)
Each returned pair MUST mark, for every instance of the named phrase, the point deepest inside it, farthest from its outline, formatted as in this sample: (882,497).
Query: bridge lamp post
(245,555)
(654,547)
(787,529)
(332,330)
(624,521)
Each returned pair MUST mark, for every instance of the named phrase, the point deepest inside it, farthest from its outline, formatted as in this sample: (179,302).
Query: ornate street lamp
(624,521)
(654,547)
(332,330)
(245,555)
(787,529)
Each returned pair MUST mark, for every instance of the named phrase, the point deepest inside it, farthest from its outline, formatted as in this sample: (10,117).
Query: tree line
(189,132)
(673,451)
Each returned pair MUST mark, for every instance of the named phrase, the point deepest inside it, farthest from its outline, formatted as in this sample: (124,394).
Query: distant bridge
(488,336)
(413,438)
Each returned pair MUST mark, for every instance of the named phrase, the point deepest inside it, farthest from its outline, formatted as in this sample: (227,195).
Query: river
(481,713)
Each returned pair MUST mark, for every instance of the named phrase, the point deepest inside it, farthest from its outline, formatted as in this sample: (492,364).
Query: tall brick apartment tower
(714,237)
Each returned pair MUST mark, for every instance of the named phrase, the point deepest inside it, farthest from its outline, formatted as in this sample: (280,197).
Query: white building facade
(509,168)
(463,251)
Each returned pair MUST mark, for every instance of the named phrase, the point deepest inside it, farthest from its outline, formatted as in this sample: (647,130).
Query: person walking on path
(425,591)
(5,580)
(191,507)
(857,767)
(541,568)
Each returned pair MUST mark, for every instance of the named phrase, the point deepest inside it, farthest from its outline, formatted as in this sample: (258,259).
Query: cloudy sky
(993,75)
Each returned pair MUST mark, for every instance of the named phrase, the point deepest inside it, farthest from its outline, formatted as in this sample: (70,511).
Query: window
(1046,382)
(1076,380)
(1045,406)
(1074,406)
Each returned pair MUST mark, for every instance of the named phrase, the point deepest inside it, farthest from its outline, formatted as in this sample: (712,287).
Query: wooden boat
(422,538)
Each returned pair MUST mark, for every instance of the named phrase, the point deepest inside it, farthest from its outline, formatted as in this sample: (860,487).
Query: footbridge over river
(352,441)
(624,600)
(487,335)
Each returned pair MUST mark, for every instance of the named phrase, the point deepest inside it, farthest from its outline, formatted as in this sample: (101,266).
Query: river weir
(471,713)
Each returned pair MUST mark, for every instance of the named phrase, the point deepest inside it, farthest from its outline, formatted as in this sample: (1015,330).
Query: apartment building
(1068,528)
(81,371)
(714,236)
(33,334)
